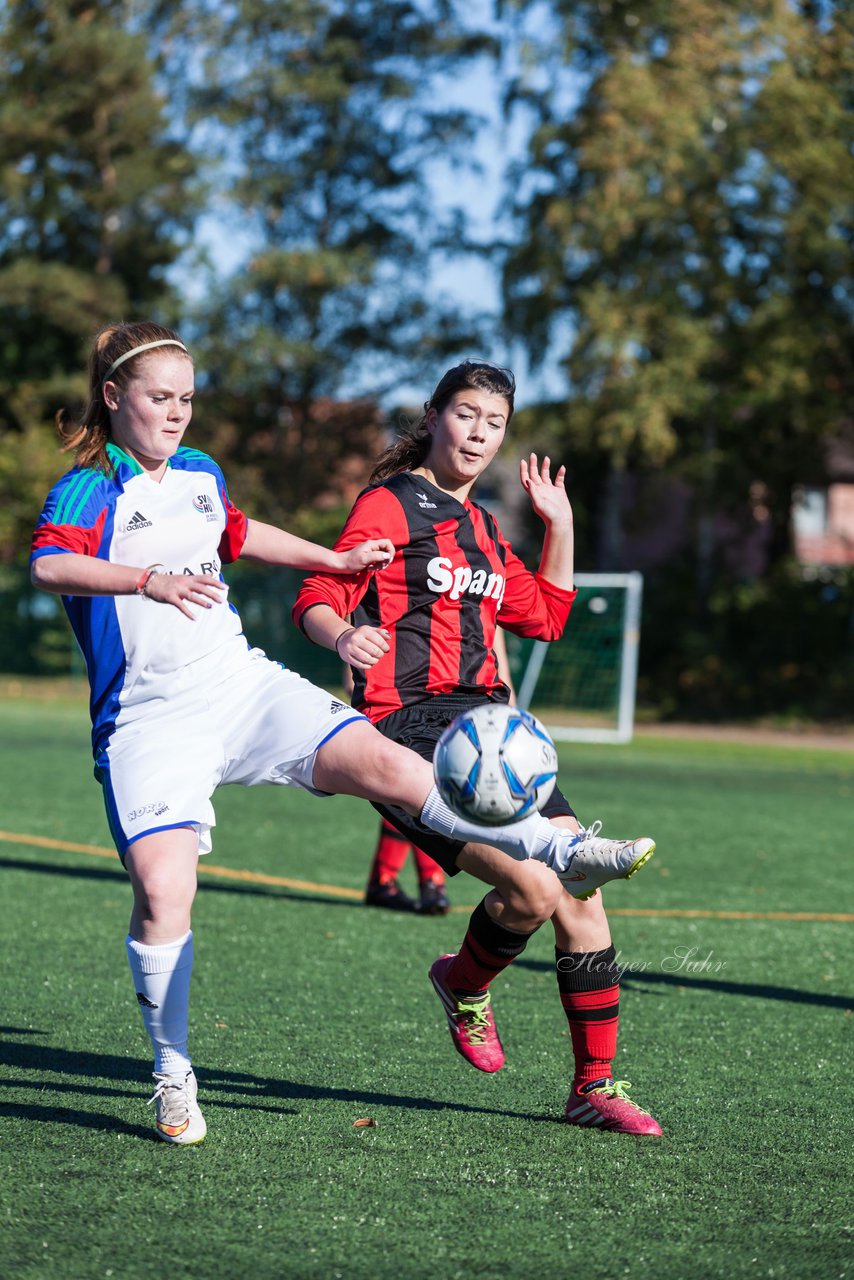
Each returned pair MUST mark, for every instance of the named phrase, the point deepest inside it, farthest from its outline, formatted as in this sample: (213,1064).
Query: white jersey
(137,650)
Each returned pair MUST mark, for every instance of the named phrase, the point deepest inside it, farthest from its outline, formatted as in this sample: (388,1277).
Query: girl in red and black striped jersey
(421,645)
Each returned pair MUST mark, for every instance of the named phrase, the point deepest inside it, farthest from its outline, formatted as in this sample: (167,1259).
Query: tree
(691,220)
(327,124)
(96,200)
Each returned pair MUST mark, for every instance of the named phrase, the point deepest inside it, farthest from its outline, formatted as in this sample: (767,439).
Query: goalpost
(583,686)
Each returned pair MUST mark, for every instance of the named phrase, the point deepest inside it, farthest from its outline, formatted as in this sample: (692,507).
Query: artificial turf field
(311,1012)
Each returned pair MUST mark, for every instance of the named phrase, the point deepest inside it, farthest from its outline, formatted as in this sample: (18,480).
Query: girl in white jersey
(133,538)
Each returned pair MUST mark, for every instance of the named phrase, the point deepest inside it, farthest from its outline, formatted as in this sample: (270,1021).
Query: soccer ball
(495,764)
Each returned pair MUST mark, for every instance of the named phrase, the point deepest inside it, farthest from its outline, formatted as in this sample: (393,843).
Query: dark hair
(90,436)
(413,445)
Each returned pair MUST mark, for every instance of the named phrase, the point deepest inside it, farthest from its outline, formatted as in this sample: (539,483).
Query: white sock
(532,837)
(161,978)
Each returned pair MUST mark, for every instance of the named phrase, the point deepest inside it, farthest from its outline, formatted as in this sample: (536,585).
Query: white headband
(146,346)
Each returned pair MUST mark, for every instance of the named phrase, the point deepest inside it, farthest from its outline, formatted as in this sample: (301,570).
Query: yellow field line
(355,895)
(205,868)
(839,917)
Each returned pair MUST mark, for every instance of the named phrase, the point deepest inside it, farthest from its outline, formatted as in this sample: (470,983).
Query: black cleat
(433,900)
(388,894)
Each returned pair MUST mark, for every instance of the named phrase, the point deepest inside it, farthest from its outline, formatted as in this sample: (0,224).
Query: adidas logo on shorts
(335,707)
(136,522)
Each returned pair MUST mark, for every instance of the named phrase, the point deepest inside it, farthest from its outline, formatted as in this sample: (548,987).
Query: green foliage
(96,198)
(780,646)
(35,638)
(30,462)
(93,191)
(330,124)
(692,220)
(684,213)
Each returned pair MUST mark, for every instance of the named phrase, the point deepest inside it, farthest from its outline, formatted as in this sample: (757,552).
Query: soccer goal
(583,686)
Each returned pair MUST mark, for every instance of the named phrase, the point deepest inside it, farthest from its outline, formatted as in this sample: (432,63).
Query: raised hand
(548,496)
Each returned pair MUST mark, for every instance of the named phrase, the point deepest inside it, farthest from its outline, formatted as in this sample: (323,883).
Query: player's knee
(534,895)
(160,900)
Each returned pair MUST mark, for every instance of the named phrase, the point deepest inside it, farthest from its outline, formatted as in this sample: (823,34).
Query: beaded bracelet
(145,577)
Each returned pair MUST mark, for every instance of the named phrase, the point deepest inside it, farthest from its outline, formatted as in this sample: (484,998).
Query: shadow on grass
(79,1119)
(117,875)
(760,989)
(228,1089)
(648,981)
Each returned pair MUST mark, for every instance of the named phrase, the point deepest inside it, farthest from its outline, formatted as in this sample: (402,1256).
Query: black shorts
(419,727)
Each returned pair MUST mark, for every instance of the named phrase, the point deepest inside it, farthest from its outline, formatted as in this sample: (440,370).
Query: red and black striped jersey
(454,576)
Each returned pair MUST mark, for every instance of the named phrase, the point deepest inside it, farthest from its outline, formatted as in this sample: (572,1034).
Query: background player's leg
(383,889)
(432,895)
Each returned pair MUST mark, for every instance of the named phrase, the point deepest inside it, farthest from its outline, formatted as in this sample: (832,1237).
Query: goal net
(582,687)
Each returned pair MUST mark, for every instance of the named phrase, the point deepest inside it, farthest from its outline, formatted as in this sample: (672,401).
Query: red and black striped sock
(589,985)
(488,947)
(391,853)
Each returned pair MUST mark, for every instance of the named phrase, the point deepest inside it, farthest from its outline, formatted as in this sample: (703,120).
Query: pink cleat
(604,1104)
(471,1022)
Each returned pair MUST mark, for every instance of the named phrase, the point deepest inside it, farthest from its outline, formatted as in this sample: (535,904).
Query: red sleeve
(376,514)
(234,533)
(50,539)
(533,606)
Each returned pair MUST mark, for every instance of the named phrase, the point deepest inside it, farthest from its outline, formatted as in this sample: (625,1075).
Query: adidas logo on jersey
(335,707)
(137,522)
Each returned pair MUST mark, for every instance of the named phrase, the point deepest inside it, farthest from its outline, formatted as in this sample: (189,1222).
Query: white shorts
(260,723)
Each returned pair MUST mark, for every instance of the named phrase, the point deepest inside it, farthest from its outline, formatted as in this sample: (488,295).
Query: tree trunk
(610,548)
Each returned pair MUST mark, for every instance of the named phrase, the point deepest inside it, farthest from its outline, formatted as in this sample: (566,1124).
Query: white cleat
(584,861)
(179,1119)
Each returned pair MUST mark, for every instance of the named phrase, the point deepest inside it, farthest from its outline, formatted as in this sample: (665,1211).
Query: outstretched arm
(270,545)
(549,500)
